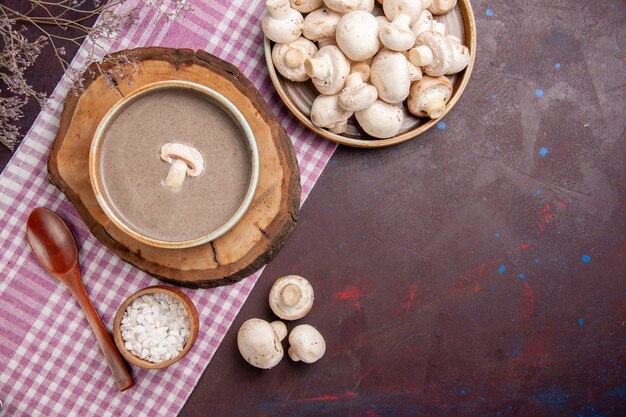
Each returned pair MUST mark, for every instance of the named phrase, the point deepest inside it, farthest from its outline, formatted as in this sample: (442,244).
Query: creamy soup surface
(133,173)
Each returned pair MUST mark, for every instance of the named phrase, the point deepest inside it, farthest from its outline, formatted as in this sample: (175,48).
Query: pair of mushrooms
(259,341)
(366,65)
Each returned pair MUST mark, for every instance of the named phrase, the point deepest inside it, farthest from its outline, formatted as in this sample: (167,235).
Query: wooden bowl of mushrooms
(155,327)
(365,74)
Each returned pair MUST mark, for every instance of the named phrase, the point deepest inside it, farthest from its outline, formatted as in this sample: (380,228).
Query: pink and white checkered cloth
(50,364)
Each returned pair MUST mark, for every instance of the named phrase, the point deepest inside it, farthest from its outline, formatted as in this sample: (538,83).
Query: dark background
(477,270)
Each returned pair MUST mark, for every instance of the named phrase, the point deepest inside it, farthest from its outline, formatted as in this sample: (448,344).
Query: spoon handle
(114,359)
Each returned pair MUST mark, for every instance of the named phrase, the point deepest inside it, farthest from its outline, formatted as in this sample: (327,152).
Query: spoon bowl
(54,247)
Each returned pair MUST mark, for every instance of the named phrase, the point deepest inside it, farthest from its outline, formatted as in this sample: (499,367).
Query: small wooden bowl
(298,97)
(193,320)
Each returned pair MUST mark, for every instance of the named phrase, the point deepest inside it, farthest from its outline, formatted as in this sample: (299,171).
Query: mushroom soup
(175,165)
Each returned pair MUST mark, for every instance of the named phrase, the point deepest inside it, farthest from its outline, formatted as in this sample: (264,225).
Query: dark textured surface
(404,246)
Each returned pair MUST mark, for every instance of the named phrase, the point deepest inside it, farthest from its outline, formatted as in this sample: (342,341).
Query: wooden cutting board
(266,225)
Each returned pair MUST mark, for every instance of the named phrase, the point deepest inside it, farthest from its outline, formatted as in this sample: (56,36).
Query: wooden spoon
(54,247)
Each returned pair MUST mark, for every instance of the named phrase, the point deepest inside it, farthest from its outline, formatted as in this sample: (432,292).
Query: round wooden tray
(267,223)
(298,97)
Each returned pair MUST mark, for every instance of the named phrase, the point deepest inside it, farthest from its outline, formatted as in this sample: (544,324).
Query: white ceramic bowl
(95,157)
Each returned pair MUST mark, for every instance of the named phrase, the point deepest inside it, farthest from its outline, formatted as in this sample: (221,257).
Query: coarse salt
(155,327)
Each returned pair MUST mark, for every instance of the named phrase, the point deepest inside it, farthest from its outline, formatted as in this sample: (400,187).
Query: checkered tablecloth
(50,364)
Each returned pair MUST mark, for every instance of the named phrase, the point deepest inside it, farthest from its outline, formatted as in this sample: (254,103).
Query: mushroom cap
(429,96)
(189,154)
(306,344)
(326,112)
(367,5)
(291,297)
(391,76)
(259,344)
(343,6)
(328,69)
(357,35)
(306,6)
(321,24)
(441,6)
(397,35)
(288,58)
(413,8)
(441,50)
(357,95)
(381,120)
(460,55)
(281,23)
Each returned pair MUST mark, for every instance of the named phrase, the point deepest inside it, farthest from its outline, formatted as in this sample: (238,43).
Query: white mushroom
(328,69)
(439,55)
(357,95)
(306,6)
(391,75)
(259,342)
(288,58)
(326,112)
(426,23)
(281,23)
(291,297)
(393,8)
(185,160)
(397,35)
(321,24)
(306,344)
(363,68)
(357,35)
(343,6)
(441,6)
(381,120)
(429,97)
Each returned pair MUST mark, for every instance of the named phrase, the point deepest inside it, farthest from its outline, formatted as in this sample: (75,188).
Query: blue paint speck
(497,235)
(536,260)
(581,322)
(489,12)
(441,125)
(502,269)
(539,92)
(522,276)
(421,147)
(543,152)
(494,96)
(462,392)
(557,66)
(538,193)
(586,258)
(498,413)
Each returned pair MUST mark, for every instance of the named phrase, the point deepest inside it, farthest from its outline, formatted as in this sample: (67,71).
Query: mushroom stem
(421,56)
(317,68)
(290,295)
(436,107)
(177,174)
(279,9)
(354,80)
(280,329)
(294,57)
(402,20)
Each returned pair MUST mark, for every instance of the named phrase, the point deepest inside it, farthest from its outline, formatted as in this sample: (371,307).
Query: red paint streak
(407,304)
(474,277)
(524,246)
(335,397)
(350,293)
(561,202)
(545,217)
